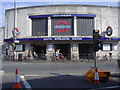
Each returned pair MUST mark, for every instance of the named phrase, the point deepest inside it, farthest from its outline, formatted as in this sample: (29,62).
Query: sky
(8,4)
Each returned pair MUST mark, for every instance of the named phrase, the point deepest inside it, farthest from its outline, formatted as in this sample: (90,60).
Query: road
(56,74)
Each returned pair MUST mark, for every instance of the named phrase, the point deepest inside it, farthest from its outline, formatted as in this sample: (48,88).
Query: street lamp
(15,31)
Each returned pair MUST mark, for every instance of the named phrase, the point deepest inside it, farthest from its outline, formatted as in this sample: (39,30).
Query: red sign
(109,31)
(15,32)
(62,25)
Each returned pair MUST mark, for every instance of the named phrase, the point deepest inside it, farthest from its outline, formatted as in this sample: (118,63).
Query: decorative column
(75,26)
(29,26)
(49,26)
(95,23)
(74,52)
(50,51)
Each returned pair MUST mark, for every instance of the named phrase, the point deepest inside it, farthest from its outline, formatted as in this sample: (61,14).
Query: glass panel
(106,47)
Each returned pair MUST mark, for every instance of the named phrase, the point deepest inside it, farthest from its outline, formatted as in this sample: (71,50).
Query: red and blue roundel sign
(62,26)
(109,31)
(15,32)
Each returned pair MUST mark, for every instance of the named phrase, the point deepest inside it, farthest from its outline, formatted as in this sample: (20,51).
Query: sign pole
(95,64)
(14,27)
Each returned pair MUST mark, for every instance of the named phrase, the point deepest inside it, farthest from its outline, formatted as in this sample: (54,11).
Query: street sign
(15,32)
(16,41)
(109,31)
(62,26)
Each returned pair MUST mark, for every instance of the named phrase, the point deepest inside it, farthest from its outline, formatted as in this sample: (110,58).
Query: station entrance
(65,49)
(85,51)
(40,50)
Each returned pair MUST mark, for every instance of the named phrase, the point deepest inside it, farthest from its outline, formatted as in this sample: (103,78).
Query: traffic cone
(96,77)
(17,81)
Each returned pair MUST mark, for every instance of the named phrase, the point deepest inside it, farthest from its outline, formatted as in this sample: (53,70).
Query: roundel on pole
(109,31)
(62,26)
(15,32)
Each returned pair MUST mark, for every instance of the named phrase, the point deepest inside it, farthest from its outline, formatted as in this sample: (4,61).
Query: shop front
(70,47)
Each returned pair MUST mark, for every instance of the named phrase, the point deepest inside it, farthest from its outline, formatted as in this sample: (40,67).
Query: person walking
(57,53)
(7,53)
(110,56)
(29,55)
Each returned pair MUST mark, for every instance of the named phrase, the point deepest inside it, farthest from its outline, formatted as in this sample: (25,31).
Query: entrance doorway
(40,50)
(85,51)
(64,49)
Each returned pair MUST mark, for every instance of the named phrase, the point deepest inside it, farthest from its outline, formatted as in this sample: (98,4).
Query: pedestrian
(61,56)
(7,53)
(57,53)
(29,54)
(53,56)
(105,57)
(110,56)
(35,55)
(15,55)
(43,56)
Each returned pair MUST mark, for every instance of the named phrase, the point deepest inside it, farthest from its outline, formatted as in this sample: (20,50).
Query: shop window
(107,47)
(85,26)
(39,27)
(114,47)
(74,47)
(11,48)
(50,48)
(20,47)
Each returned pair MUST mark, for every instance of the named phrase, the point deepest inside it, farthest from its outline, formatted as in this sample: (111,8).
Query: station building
(66,27)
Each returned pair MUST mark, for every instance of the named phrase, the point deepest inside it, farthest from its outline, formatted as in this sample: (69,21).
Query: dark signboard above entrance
(63,15)
(65,38)
(58,39)
(51,39)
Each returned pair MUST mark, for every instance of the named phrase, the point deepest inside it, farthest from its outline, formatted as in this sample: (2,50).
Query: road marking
(32,75)
(25,82)
(51,74)
(112,87)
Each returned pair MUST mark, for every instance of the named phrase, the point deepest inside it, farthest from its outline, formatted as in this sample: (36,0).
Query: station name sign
(65,38)
(59,39)
(63,15)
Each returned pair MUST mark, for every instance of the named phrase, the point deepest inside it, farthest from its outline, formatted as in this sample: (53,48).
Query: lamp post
(15,31)
(12,30)
(1,47)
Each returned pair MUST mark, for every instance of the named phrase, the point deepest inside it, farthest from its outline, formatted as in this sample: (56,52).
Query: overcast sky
(8,4)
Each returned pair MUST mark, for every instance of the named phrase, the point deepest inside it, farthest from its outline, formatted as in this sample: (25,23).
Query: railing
(67,57)
(106,57)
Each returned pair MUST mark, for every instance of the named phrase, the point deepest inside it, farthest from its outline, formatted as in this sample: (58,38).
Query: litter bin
(19,57)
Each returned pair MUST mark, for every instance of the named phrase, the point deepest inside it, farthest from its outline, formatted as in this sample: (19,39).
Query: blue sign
(59,39)
(62,26)
(63,15)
